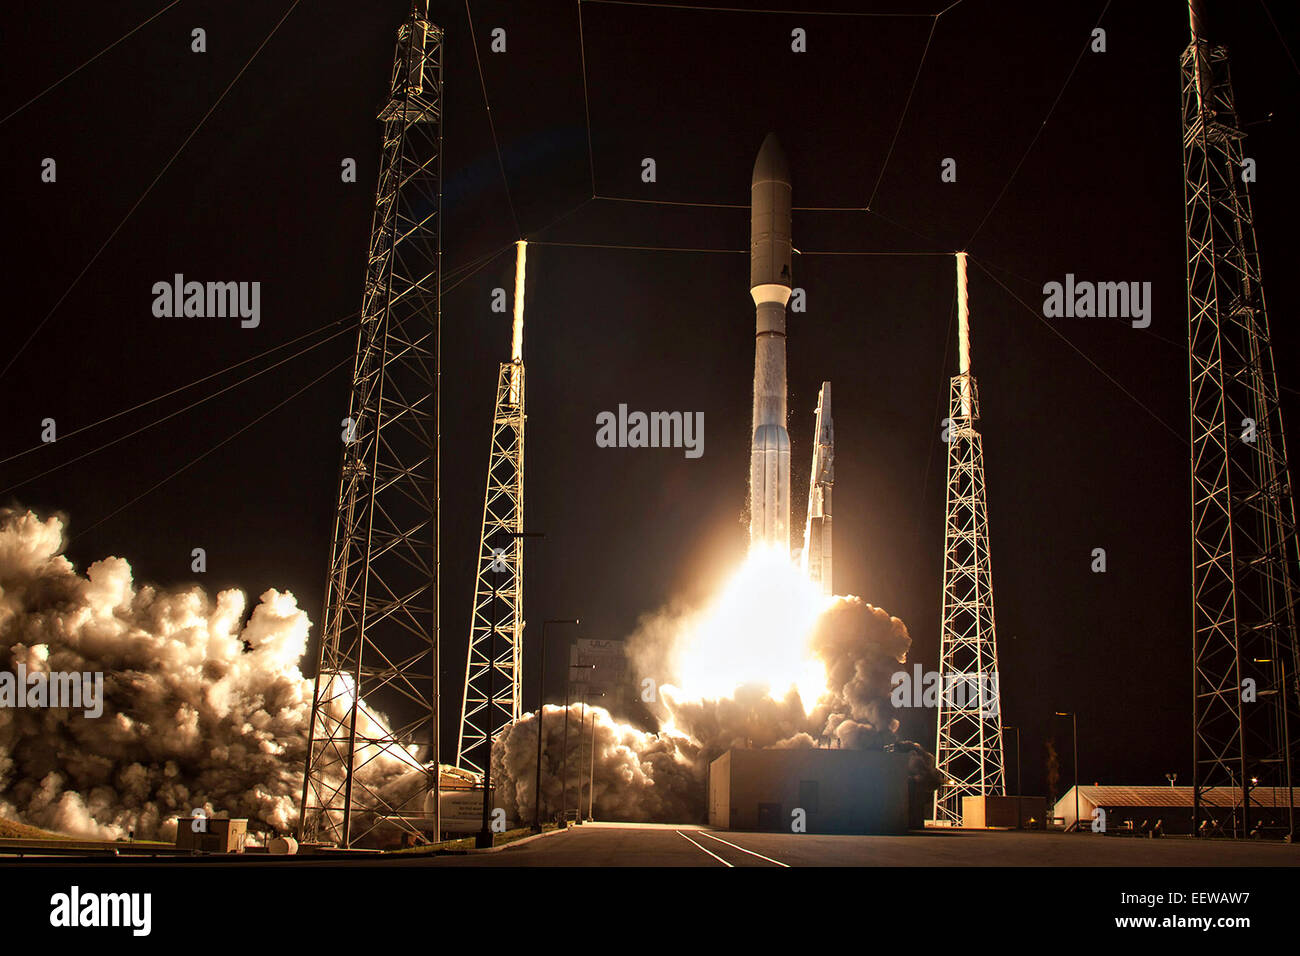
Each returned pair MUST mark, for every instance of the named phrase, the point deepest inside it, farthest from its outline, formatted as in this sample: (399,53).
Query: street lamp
(1019,799)
(484,838)
(591,776)
(541,714)
(1074,720)
(564,771)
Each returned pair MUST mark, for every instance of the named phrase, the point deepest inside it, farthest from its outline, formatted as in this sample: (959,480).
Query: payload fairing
(769,285)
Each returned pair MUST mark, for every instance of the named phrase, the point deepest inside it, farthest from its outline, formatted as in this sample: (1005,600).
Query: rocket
(816,555)
(769,285)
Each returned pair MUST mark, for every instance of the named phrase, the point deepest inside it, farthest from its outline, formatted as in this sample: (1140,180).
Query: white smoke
(640,776)
(206,708)
(202,708)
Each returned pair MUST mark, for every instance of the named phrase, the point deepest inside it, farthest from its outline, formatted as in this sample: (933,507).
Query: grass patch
(9,830)
(461,844)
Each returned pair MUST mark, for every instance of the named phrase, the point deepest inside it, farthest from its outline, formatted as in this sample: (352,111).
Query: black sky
(1072,462)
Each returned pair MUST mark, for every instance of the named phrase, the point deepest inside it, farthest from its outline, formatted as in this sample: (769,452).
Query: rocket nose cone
(770,164)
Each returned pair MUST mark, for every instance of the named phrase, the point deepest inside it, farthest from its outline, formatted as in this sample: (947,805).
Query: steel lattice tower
(1244,560)
(968,751)
(376,696)
(493,667)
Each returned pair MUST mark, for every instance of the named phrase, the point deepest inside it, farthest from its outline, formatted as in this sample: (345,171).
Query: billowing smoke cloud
(641,776)
(201,708)
(205,707)
(638,776)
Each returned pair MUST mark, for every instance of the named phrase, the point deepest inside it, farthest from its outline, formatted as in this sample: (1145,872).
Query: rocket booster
(769,285)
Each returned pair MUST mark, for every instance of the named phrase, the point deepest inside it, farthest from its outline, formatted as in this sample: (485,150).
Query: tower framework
(493,668)
(968,751)
(1244,559)
(375,705)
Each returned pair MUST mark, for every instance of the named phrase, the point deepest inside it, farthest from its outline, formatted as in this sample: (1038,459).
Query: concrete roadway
(649,845)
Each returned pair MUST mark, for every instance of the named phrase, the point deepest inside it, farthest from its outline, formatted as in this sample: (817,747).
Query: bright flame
(757,633)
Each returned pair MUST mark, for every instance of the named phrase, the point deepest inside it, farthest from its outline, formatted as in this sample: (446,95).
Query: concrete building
(1140,809)
(838,791)
(213,835)
(991,812)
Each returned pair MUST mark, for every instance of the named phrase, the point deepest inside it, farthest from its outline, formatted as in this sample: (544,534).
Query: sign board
(461,810)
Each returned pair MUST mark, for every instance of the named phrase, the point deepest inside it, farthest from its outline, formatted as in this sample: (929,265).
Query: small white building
(1140,809)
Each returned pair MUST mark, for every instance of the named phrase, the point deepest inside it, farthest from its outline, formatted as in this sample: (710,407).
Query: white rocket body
(816,558)
(769,281)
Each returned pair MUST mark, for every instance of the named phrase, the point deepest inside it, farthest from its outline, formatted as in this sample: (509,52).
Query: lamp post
(485,838)
(582,723)
(564,771)
(591,775)
(1074,721)
(1020,816)
(541,714)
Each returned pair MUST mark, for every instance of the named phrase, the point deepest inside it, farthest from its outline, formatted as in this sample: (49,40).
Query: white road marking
(706,850)
(743,850)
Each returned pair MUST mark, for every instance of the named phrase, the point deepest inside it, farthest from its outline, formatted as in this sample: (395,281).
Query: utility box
(982,813)
(810,790)
(222,835)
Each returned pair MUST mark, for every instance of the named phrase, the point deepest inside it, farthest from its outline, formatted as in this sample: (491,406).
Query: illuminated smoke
(206,707)
(202,708)
(641,776)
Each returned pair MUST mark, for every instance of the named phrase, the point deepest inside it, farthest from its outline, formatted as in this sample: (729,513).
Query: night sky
(1072,462)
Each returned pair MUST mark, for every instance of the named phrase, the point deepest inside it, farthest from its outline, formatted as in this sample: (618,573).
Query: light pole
(485,838)
(1019,798)
(582,723)
(591,776)
(541,713)
(1074,721)
(564,771)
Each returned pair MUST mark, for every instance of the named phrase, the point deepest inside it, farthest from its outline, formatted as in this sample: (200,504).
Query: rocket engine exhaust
(769,282)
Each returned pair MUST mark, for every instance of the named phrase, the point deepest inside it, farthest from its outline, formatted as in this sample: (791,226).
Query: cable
(907,103)
(1108,376)
(802,13)
(1280,38)
(171,415)
(586,99)
(560,217)
(726,205)
(938,407)
(485,261)
(600,245)
(68,76)
(669,202)
(491,123)
(804,252)
(1038,132)
(604,245)
(224,441)
(178,389)
(136,205)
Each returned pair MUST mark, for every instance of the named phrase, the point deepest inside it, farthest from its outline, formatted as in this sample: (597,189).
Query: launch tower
(376,693)
(1245,703)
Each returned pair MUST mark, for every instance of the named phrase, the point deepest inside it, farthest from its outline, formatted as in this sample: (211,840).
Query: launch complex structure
(380,632)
